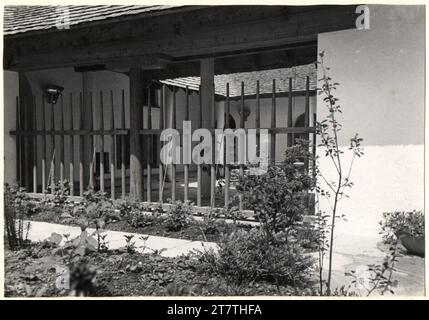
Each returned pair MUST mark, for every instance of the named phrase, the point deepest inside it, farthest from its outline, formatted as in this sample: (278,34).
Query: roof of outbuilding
(21,19)
(297,73)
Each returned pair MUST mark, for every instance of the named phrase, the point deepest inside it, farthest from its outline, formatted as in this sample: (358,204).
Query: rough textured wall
(381,74)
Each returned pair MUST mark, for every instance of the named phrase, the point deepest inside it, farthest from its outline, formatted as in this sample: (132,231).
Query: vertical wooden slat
(34,146)
(123,160)
(161,127)
(25,145)
(307,112)
(61,147)
(186,166)
(273,124)
(81,149)
(26,173)
(91,142)
(43,145)
(18,143)
(71,145)
(227,167)
(307,102)
(149,147)
(199,168)
(213,165)
(241,172)
(258,119)
(101,127)
(290,137)
(52,172)
(314,144)
(173,166)
(112,147)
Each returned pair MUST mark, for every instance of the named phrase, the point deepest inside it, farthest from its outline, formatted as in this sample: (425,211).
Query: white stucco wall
(381,72)
(73,82)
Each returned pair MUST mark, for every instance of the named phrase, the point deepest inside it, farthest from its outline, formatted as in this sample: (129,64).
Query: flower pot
(414,245)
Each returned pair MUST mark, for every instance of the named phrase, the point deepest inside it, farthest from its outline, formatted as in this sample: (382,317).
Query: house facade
(127,72)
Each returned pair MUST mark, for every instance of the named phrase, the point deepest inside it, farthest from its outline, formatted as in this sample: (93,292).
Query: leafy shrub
(98,205)
(141,219)
(247,256)
(411,222)
(82,279)
(60,191)
(179,217)
(15,212)
(277,196)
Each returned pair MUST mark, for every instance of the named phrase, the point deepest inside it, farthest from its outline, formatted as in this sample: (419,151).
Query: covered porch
(156,67)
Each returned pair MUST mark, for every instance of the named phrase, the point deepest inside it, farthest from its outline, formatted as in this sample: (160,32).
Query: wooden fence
(33,136)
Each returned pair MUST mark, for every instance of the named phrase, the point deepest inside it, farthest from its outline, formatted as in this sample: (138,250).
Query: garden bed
(32,272)
(196,230)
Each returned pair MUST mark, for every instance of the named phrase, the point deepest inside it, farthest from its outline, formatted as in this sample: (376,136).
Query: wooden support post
(81,147)
(71,164)
(207,104)
(290,137)
(123,160)
(112,147)
(88,155)
(136,124)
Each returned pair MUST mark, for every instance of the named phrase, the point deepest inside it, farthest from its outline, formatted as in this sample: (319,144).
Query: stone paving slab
(40,231)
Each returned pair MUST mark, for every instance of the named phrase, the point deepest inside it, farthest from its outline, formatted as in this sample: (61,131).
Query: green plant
(277,196)
(82,279)
(411,222)
(212,223)
(179,217)
(74,248)
(98,205)
(141,219)
(16,208)
(247,256)
(333,190)
(130,244)
(60,191)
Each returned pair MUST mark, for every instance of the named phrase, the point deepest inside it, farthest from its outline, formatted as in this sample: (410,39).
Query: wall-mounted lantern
(53,92)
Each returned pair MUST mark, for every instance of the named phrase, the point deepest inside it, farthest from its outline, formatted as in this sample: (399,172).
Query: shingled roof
(21,19)
(297,73)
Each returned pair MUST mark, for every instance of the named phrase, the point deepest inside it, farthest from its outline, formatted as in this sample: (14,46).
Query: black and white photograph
(213,150)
